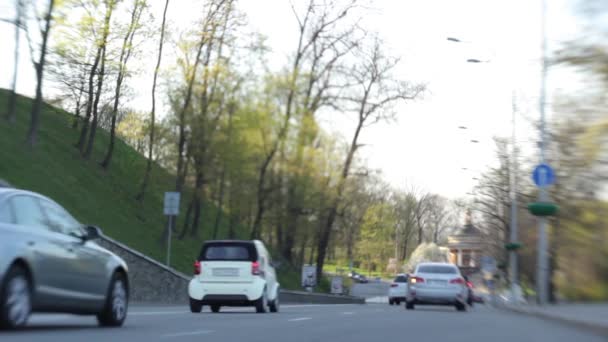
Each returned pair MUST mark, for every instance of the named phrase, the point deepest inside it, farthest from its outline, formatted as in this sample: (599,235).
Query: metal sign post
(171,210)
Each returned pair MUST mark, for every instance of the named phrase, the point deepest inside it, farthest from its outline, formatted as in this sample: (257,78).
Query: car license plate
(225,272)
(437,282)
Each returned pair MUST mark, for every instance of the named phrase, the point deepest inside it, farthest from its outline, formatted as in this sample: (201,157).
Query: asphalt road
(370,290)
(351,323)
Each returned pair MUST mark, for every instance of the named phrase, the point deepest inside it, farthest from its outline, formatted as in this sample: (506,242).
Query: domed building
(466,246)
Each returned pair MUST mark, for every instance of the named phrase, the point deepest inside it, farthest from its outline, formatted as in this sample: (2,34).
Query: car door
(269,271)
(85,265)
(45,252)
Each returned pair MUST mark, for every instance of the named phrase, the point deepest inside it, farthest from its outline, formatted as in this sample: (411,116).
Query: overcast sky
(425,146)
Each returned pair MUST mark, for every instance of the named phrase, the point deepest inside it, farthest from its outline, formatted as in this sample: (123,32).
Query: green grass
(343,270)
(94,196)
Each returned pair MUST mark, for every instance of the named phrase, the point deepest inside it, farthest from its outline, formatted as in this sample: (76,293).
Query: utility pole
(514,210)
(542,262)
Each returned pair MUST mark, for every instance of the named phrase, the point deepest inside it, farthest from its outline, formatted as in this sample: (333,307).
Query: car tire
(461,307)
(398,302)
(215,308)
(196,306)
(15,299)
(275,305)
(409,305)
(117,302)
(390,302)
(261,305)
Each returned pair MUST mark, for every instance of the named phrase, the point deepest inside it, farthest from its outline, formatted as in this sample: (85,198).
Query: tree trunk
(77,110)
(234,216)
(100,78)
(198,193)
(184,231)
(12,100)
(325,234)
(32,135)
(90,100)
(125,53)
(220,204)
(147,174)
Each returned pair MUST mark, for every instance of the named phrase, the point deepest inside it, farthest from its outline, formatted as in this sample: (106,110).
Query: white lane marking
(348,313)
(152,313)
(299,319)
(188,333)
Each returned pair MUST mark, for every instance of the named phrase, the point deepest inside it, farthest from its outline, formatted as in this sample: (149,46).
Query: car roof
(229,241)
(5,192)
(435,264)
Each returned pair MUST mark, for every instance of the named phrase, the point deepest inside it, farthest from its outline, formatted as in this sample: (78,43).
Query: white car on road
(398,289)
(437,284)
(234,273)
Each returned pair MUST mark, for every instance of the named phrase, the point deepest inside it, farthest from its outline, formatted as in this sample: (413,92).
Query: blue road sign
(543,175)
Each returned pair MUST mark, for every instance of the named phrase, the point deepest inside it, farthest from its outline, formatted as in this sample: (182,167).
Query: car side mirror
(92,233)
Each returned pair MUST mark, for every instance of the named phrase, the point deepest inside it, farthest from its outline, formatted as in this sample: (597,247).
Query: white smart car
(234,273)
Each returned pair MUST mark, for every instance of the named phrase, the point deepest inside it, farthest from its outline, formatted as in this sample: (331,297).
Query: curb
(595,328)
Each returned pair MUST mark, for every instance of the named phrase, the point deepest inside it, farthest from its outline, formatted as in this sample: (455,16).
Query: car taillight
(469,284)
(255,268)
(197,267)
(415,280)
(457,281)
(394,285)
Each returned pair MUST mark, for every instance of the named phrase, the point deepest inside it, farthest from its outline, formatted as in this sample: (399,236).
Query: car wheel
(15,299)
(215,308)
(261,305)
(409,305)
(115,311)
(275,304)
(398,302)
(461,307)
(390,302)
(196,306)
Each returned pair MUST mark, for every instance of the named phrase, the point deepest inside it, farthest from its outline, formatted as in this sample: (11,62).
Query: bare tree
(323,50)
(12,100)
(103,45)
(125,53)
(146,179)
(329,44)
(375,92)
(32,134)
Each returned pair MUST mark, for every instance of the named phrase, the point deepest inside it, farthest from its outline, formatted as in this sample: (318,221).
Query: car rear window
(228,251)
(401,279)
(437,269)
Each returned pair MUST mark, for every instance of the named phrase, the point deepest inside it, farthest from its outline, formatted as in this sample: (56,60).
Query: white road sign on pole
(336,285)
(309,276)
(171,207)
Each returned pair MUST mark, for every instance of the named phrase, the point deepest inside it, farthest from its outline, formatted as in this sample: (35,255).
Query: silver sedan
(49,263)
(437,284)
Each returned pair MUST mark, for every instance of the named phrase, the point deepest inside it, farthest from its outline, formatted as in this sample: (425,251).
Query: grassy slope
(54,168)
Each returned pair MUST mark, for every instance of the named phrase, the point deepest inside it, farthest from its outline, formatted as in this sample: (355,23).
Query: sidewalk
(588,316)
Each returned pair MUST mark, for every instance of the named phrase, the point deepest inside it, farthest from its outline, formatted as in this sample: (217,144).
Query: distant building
(466,246)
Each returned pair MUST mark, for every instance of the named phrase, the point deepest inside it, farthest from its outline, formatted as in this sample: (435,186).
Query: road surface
(349,322)
(370,290)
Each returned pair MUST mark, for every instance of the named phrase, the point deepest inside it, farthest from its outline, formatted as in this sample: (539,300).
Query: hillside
(54,168)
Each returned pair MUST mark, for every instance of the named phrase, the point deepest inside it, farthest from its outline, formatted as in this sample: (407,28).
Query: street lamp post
(513,269)
(542,262)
